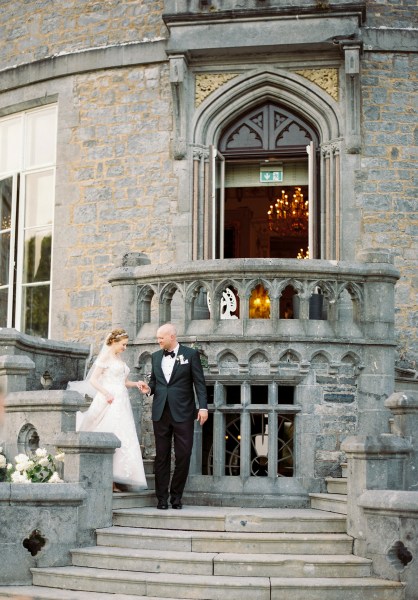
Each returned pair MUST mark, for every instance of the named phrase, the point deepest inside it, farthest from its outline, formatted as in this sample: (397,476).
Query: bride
(111,410)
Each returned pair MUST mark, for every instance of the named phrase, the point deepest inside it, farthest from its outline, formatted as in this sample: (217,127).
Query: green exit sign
(271,176)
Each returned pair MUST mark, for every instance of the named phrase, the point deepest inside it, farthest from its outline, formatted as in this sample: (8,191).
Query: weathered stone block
(38,524)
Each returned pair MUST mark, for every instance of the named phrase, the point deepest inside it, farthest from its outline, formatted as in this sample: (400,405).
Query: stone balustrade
(357,298)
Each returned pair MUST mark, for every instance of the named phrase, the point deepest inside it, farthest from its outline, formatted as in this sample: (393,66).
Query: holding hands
(143,387)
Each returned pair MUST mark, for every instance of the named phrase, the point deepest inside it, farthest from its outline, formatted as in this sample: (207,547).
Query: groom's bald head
(167,336)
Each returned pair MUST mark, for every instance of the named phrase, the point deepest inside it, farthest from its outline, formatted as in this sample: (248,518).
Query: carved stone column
(330,218)
(201,209)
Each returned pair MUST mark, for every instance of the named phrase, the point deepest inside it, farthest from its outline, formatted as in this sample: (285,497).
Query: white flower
(9,466)
(21,458)
(3,461)
(20,477)
(55,478)
(44,462)
(60,457)
(41,452)
(23,466)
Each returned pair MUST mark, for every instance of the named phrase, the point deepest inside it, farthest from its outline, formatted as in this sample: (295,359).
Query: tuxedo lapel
(157,366)
(181,352)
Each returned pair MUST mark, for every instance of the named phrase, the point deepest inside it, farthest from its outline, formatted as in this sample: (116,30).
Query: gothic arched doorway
(269,197)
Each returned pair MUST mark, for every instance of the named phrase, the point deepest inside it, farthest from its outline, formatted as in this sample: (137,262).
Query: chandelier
(289,213)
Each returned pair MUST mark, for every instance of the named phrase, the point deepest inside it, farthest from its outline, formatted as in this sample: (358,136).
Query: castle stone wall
(386,183)
(37,30)
(116,190)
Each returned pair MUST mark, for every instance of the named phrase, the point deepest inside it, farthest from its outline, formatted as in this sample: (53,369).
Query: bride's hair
(115,335)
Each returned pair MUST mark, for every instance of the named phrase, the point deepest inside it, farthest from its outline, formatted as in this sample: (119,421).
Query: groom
(176,374)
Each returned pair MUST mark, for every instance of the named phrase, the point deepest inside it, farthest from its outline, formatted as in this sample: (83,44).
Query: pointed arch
(241,93)
(308,107)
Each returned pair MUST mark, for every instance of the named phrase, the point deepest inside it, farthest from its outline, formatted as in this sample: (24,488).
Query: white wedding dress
(117,418)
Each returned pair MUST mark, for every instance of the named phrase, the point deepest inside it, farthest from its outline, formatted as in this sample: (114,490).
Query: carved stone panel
(326,79)
(206,83)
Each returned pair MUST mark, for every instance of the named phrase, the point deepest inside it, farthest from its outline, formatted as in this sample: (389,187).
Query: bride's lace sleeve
(102,363)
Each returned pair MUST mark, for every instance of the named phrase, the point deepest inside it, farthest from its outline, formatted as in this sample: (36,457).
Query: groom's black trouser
(165,430)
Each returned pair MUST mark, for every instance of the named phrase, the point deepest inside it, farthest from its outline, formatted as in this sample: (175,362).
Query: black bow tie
(167,353)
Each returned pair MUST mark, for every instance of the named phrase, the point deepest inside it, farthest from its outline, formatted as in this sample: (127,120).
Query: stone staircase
(212,553)
(335,499)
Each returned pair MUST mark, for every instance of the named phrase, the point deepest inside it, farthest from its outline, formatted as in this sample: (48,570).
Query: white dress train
(117,418)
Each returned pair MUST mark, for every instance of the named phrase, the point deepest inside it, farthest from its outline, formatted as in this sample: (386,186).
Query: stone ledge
(41,494)
(95,59)
(14,340)
(378,447)
(92,442)
(44,401)
(398,502)
(15,365)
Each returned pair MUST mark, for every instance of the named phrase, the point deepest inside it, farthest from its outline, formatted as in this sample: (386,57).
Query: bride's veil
(84,387)
(89,420)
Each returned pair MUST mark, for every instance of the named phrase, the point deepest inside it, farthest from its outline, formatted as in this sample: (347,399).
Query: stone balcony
(297,355)
(219,299)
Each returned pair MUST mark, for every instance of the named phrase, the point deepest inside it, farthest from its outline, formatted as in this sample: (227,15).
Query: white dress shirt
(167,364)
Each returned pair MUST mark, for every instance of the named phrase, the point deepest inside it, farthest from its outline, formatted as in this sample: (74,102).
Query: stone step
(241,565)
(133,499)
(367,588)
(37,592)
(336,485)
(209,587)
(336,503)
(207,518)
(240,543)
(216,587)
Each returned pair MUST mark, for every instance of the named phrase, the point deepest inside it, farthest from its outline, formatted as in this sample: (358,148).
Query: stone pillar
(45,412)
(14,370)
(378,314)
(179,87)
(376,381)
(373,463)
(351,49)
(89,461)
(404,406)
(392,535)
(38,527)
(124,292)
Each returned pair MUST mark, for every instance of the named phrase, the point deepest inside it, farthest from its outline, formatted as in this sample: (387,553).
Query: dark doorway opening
(251,233)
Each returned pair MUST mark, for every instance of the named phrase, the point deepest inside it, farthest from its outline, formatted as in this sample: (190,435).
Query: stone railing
(33,363)
(219,298)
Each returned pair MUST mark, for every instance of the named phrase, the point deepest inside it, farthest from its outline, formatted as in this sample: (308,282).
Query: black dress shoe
(162,505)
(177,505)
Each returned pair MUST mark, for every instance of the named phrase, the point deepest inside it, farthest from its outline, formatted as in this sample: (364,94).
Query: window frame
(16,285)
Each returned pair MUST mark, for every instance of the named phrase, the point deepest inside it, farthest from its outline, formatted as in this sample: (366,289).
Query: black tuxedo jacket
(178,392)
